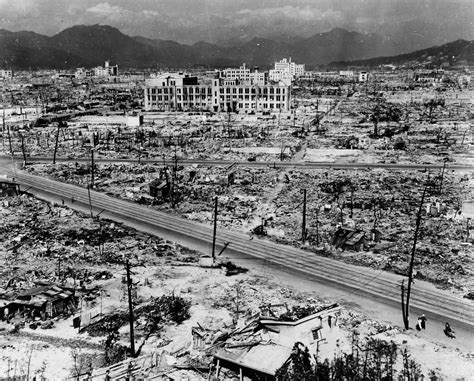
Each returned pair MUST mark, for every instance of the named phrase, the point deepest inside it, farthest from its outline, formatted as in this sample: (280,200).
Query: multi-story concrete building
(106,71)
(6,74)
(363,76)
(285,69)
(246,76)
(180,92)
(429,76)
(346,73)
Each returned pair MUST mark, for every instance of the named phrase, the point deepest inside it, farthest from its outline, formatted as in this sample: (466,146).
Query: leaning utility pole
(303,229)
(215,231)
(130,309)
(442,177)
(406,303)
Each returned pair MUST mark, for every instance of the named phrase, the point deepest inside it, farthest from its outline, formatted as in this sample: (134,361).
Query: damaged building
(181,92)
(259,349)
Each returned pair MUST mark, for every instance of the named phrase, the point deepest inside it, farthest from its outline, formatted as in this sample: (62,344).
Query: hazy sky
(214,20)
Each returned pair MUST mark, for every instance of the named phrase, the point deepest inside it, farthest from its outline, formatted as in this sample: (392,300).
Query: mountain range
(90,46)
(456,52)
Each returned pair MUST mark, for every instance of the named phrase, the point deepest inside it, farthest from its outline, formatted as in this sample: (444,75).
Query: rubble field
(376,124)
(379,204)
(35,235)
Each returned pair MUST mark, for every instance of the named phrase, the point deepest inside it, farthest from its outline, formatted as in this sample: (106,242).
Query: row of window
(208,90)
(241,105)
(253,97)
(278,98)
(191,90)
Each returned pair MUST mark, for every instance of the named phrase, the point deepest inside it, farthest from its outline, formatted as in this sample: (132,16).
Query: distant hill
(452,53)
(91,45)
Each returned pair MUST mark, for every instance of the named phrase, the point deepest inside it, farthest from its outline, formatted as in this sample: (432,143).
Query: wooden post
(317,226)
(23,148)
(92,168)
(303,229)
(90,200)
(412,261)
(215,232)
(10,140)
(56,143)
(442,177)
(130,310)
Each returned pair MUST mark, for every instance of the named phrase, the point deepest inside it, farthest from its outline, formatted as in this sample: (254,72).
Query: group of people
(421,324)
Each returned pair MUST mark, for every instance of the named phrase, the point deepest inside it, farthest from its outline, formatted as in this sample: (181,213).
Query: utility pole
(92,161)
(406,304)
(317,226)
(90,200)
(303,229)
(442,177)
(59,269)
(130,309)
(23,149)
(215,231)
(10,140)
(56,143)
(3,123)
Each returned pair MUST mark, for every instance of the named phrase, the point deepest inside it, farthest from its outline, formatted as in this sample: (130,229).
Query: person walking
(421,322)
(448,331)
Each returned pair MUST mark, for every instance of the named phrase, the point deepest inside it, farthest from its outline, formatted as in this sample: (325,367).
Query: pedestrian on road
(421,322)
(448,331)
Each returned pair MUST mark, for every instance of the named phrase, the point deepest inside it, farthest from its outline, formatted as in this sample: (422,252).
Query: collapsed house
(260,348)
(9,188)
(349,239)
(45,301)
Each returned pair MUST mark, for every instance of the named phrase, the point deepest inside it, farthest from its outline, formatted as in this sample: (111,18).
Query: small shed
(159,189)
(349,239)
(9,188)
(46,300)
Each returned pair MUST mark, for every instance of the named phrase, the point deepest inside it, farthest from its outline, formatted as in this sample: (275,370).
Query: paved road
(284,164)
(381,288)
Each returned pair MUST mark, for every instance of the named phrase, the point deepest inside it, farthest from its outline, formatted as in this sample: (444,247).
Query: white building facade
(6,74)
(180,92)
(246,76)
(285,69)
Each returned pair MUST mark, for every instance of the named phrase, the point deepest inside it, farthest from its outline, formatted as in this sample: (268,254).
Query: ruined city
(238,213)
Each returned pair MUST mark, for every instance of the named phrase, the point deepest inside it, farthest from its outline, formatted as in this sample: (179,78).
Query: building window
(316,334)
